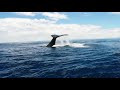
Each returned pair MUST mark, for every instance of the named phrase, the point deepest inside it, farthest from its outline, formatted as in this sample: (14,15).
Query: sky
(38,26)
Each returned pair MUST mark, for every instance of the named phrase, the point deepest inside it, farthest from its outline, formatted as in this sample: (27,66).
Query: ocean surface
(78,59)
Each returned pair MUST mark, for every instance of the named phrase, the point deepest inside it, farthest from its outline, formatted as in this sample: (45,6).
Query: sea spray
(65,41)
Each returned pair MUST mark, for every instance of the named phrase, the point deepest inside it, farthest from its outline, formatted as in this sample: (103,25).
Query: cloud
(22,29)
(50,15)
(115,13)
(26,13)
(54,15)
(25,29)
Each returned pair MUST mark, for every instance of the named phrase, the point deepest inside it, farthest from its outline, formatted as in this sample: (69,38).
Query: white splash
(67,42)
(81,45)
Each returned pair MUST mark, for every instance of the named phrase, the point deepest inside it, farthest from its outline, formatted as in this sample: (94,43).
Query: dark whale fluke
(52,42)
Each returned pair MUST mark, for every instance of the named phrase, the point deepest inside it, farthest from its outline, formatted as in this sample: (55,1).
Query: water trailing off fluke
(52,42)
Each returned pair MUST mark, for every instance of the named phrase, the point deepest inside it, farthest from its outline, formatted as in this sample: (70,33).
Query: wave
(116,54)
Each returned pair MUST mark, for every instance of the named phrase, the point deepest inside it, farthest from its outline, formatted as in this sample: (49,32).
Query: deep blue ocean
(82,59)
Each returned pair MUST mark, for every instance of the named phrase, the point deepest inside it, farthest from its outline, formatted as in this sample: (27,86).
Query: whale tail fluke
(52,42)
(56,36)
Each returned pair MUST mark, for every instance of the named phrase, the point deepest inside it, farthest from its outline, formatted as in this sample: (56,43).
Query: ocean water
(76,59)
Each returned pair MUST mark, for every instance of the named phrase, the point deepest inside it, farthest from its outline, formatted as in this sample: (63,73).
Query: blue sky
(105,19)
(40,25)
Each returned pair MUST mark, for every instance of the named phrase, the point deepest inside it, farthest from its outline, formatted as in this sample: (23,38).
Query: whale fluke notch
(52,42)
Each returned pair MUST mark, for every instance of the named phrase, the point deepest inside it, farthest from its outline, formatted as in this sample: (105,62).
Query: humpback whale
(52,42)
